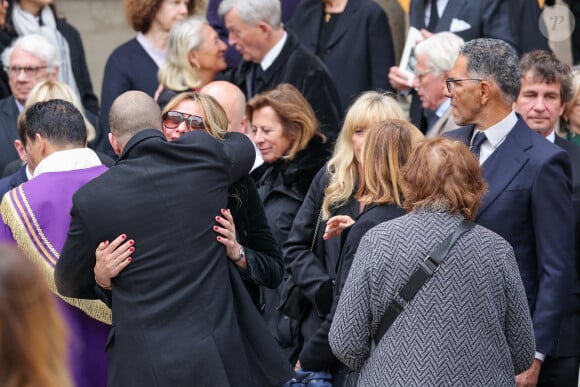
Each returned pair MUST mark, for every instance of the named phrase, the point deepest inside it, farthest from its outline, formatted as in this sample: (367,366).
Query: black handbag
(292,302)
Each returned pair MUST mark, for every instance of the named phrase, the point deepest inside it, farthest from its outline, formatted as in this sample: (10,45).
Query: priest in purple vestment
(36,215)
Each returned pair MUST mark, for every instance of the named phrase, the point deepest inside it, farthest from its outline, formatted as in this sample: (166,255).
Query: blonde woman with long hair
(331,193)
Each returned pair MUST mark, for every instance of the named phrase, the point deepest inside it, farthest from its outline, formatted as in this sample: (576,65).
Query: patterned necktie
(476,143)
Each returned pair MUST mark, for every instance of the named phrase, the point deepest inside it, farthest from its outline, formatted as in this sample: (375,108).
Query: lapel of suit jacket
(452,9)
(505,163)
(344,21)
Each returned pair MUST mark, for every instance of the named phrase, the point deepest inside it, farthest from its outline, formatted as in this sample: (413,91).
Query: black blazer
(482,19)
(360,50)
(299,67)
(316,354)
(174,317)
(8,130)
(569,342)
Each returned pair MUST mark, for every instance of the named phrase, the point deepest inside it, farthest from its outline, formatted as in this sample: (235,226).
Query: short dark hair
(59,121)
(544,66)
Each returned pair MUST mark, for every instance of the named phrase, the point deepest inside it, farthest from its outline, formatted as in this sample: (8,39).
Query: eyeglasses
(450,81)
(421,74)
(28,71)
(173,119)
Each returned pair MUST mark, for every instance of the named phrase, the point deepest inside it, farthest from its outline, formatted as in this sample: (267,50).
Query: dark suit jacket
(569,344)
(299,67)
(174,319)
(529,203)
(9,130)
(486,19)
(360,50)
(13,181)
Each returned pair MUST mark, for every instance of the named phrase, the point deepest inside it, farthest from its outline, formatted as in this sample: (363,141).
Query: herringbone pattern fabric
(468,326)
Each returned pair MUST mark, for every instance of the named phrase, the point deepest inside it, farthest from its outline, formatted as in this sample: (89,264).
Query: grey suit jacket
(445,123)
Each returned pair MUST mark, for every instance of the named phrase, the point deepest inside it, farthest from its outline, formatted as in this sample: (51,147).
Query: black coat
(314,271)
(174,309)
(316,354)
(282,187)
(299,67)
(8,122)
(359,52)
(263,255)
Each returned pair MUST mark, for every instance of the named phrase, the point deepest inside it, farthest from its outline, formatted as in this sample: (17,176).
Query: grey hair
(494,60)
(37,45)
(254,11)
(440,50)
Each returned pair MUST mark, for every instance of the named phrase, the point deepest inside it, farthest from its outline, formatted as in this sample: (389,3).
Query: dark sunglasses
(173,119)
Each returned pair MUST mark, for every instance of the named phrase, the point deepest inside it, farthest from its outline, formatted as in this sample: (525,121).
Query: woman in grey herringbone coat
(469,325)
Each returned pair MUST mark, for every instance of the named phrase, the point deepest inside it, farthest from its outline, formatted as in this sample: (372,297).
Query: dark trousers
(559,372)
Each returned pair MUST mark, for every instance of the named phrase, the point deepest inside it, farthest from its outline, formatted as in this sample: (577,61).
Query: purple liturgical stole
(37,216)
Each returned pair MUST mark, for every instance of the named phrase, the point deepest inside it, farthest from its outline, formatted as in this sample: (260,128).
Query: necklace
(327,17)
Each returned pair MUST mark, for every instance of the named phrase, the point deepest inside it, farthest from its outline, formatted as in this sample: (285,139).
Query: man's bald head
(131,113)
(232,100)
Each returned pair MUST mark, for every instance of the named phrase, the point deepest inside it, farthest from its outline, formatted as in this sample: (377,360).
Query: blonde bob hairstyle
(215,117)
(140,13)
(293,111)
(369,108)
(443,174)
(386,148)
(52,89)
(177,72)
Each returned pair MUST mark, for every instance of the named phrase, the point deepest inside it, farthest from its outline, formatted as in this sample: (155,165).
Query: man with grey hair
(29,60)
(272,56)
(529,200)
(435,58)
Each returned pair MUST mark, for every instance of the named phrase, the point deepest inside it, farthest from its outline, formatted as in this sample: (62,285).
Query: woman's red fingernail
(219,238)
(123,236)
(215,228)
(223,211)
(129,259)
(217,218)
(131,242)
(131,249)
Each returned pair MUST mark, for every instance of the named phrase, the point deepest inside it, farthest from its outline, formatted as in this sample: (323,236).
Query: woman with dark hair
(26,17)
(469,324)
(134,64)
